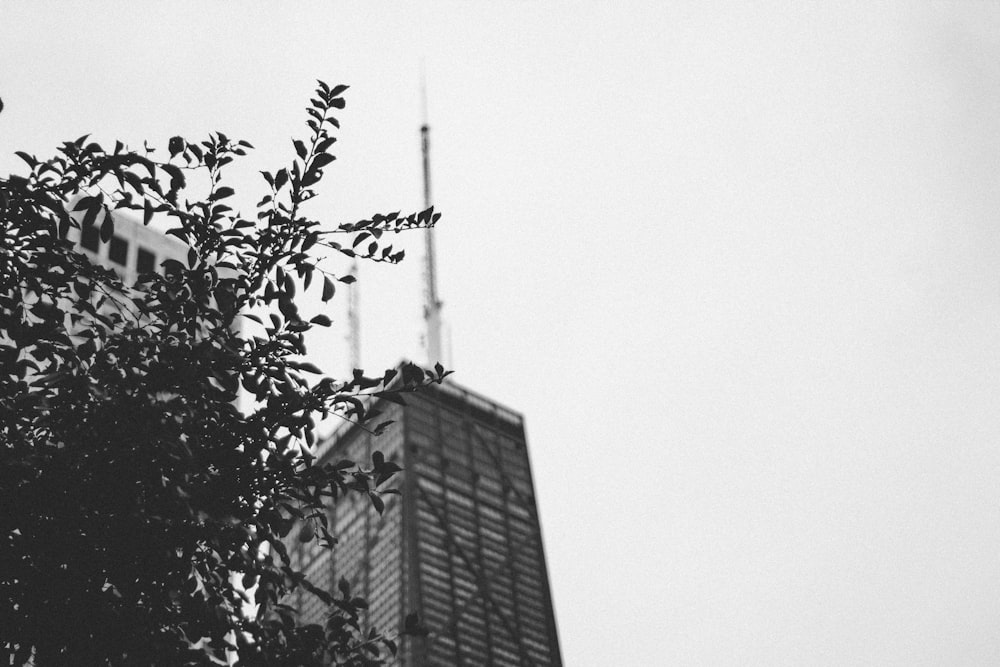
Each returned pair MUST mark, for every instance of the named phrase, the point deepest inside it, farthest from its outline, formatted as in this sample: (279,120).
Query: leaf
(147,212)
(377,502)
(64,225)
(413,626)
(84,203)
(222,193)
(381,427)
(321,320)
(178,232)
(107,227)
(32,161)
(172,266)
(305,366)
(387,471)
(322,160)
(328,289)
(176,176)
(300,148)
(359,239)
(175,146)
(412,373)
(307,532)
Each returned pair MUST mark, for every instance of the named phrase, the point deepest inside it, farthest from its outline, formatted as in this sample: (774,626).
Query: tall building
(462,544)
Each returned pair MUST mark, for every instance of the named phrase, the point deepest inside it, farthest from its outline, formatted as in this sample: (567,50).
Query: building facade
(461,546)
(133,248)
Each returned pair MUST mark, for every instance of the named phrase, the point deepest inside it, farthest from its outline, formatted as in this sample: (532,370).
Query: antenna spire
(423,94)
(432,304)
(354,318)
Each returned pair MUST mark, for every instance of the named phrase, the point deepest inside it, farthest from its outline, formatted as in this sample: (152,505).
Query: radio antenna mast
(354,318)
(432,304)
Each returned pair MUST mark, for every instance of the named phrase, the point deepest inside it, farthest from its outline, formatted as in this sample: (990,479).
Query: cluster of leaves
(143,512)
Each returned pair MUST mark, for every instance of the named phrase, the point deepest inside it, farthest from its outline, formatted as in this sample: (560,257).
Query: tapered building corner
(461,546)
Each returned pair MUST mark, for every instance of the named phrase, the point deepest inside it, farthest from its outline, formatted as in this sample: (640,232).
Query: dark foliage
(142,512)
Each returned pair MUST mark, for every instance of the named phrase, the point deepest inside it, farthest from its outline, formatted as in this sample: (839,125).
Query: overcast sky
(738,267)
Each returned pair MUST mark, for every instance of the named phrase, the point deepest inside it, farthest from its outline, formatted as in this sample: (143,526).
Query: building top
(449,391)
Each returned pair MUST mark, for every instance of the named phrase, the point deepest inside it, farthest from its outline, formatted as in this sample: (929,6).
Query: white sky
(737,266)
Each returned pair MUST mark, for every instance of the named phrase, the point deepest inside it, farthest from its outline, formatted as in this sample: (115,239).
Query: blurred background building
(133,248)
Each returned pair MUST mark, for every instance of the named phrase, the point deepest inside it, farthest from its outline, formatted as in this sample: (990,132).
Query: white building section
(132,250)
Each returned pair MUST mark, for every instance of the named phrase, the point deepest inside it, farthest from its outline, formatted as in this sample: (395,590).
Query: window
(90,238)
(430,486)
(458,498)
(118,252)
(146,261)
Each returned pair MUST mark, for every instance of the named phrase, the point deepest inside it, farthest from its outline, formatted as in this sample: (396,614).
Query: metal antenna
(354,318)
(432,305)
(450,359)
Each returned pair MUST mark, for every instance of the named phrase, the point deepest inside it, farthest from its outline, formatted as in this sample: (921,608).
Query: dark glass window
(145,262)
(90,239)
(118,252)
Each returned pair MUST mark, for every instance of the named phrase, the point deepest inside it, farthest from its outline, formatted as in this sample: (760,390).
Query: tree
(142,512)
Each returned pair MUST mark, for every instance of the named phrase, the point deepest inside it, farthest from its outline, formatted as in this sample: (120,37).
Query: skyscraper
(462,544)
